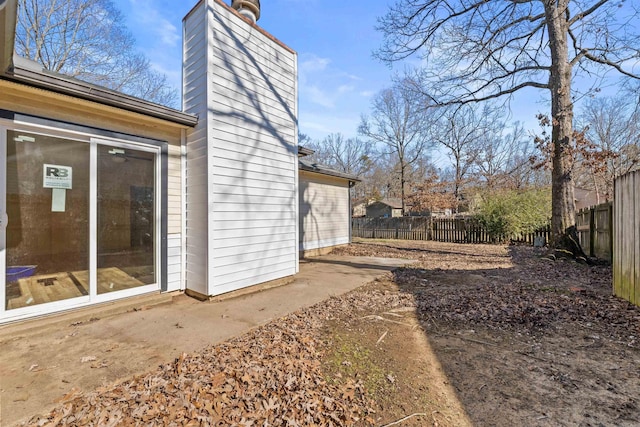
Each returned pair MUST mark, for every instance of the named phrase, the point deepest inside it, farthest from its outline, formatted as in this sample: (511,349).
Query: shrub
(511,212)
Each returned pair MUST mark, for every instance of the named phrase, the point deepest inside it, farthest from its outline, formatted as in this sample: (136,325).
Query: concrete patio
(45,359)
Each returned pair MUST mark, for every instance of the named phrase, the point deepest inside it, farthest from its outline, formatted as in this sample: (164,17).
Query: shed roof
(392,203)
(309,166)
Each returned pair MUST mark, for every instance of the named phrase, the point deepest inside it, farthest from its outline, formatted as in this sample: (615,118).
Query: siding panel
(174,262)
(324,211)
(174,190)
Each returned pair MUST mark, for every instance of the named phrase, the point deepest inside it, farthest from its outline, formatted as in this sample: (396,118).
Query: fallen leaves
(269,377)
(511,289)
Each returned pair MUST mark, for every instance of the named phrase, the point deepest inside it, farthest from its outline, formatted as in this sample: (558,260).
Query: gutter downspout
(183,216)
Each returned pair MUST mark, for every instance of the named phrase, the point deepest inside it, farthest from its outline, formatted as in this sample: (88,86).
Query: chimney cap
(252,6)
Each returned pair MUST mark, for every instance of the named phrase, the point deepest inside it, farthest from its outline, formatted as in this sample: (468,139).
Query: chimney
(248,8)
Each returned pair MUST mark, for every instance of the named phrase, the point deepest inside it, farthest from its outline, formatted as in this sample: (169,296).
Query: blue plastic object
(17,272)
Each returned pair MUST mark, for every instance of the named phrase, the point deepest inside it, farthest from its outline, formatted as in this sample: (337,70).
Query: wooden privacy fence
(626,237)
(453,230)
(595,230)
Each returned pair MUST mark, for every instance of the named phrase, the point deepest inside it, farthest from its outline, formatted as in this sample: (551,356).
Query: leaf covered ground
(468,334)
(523,340)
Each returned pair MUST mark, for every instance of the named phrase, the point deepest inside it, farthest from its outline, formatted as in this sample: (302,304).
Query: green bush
(512,212)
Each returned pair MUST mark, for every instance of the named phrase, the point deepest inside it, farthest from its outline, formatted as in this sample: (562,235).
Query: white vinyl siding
(324,211)
(174,262)
(242,158)
(174,191)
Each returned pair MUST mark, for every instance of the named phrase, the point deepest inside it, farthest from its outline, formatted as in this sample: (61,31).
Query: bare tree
(400,123)
(349,155)
(465,132)
(503,161)
(479,50)
(432,195)
(382,180)
(612,126)
(88,40)
(304,139)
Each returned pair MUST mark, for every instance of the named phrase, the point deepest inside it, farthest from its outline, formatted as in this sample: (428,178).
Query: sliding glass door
(79,221)
(126,219)
(47,232)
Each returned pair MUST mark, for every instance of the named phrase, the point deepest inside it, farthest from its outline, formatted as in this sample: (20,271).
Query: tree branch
(612,64)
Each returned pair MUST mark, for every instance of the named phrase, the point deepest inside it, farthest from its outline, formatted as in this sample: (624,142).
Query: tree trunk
(402,167)
(564,235)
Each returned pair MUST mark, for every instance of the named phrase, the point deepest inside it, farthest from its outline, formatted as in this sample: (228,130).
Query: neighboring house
(106,196)
(585,198)
(386,208)
(359,210)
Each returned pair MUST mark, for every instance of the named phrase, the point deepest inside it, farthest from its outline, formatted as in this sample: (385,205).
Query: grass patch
(348,359)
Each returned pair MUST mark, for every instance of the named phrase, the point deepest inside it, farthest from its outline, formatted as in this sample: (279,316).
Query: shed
(386,208)
(325,212)
(585,198)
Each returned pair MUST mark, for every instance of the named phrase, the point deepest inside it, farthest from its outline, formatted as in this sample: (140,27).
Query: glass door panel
(126,240)
(47,233)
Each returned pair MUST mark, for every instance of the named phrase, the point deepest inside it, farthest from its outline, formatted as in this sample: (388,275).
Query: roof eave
(11,69)
(336,174)
(79,89)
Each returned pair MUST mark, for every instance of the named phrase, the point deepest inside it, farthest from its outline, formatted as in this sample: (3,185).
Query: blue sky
(334,40)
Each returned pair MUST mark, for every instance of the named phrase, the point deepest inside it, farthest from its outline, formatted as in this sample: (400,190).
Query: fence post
(592,230)
(610,209)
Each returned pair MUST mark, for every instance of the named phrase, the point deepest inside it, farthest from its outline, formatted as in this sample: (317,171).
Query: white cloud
(145,13)
(159,39)
(321,84)
(311,63)
(318,96)
(319,125)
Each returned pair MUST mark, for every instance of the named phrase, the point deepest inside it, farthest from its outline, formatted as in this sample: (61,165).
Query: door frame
(10,121)
(157,220)
(3,216)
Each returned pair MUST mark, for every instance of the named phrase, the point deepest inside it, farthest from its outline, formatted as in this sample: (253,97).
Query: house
(106,196)
(359,210)
(386,208)
(586,198)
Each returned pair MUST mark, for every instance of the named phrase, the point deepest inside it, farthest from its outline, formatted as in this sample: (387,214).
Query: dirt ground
(467,335)
(523,340)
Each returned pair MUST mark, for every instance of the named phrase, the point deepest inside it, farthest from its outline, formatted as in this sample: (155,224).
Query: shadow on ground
(522,340)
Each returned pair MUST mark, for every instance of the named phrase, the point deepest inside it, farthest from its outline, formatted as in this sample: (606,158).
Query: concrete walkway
(43,360)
